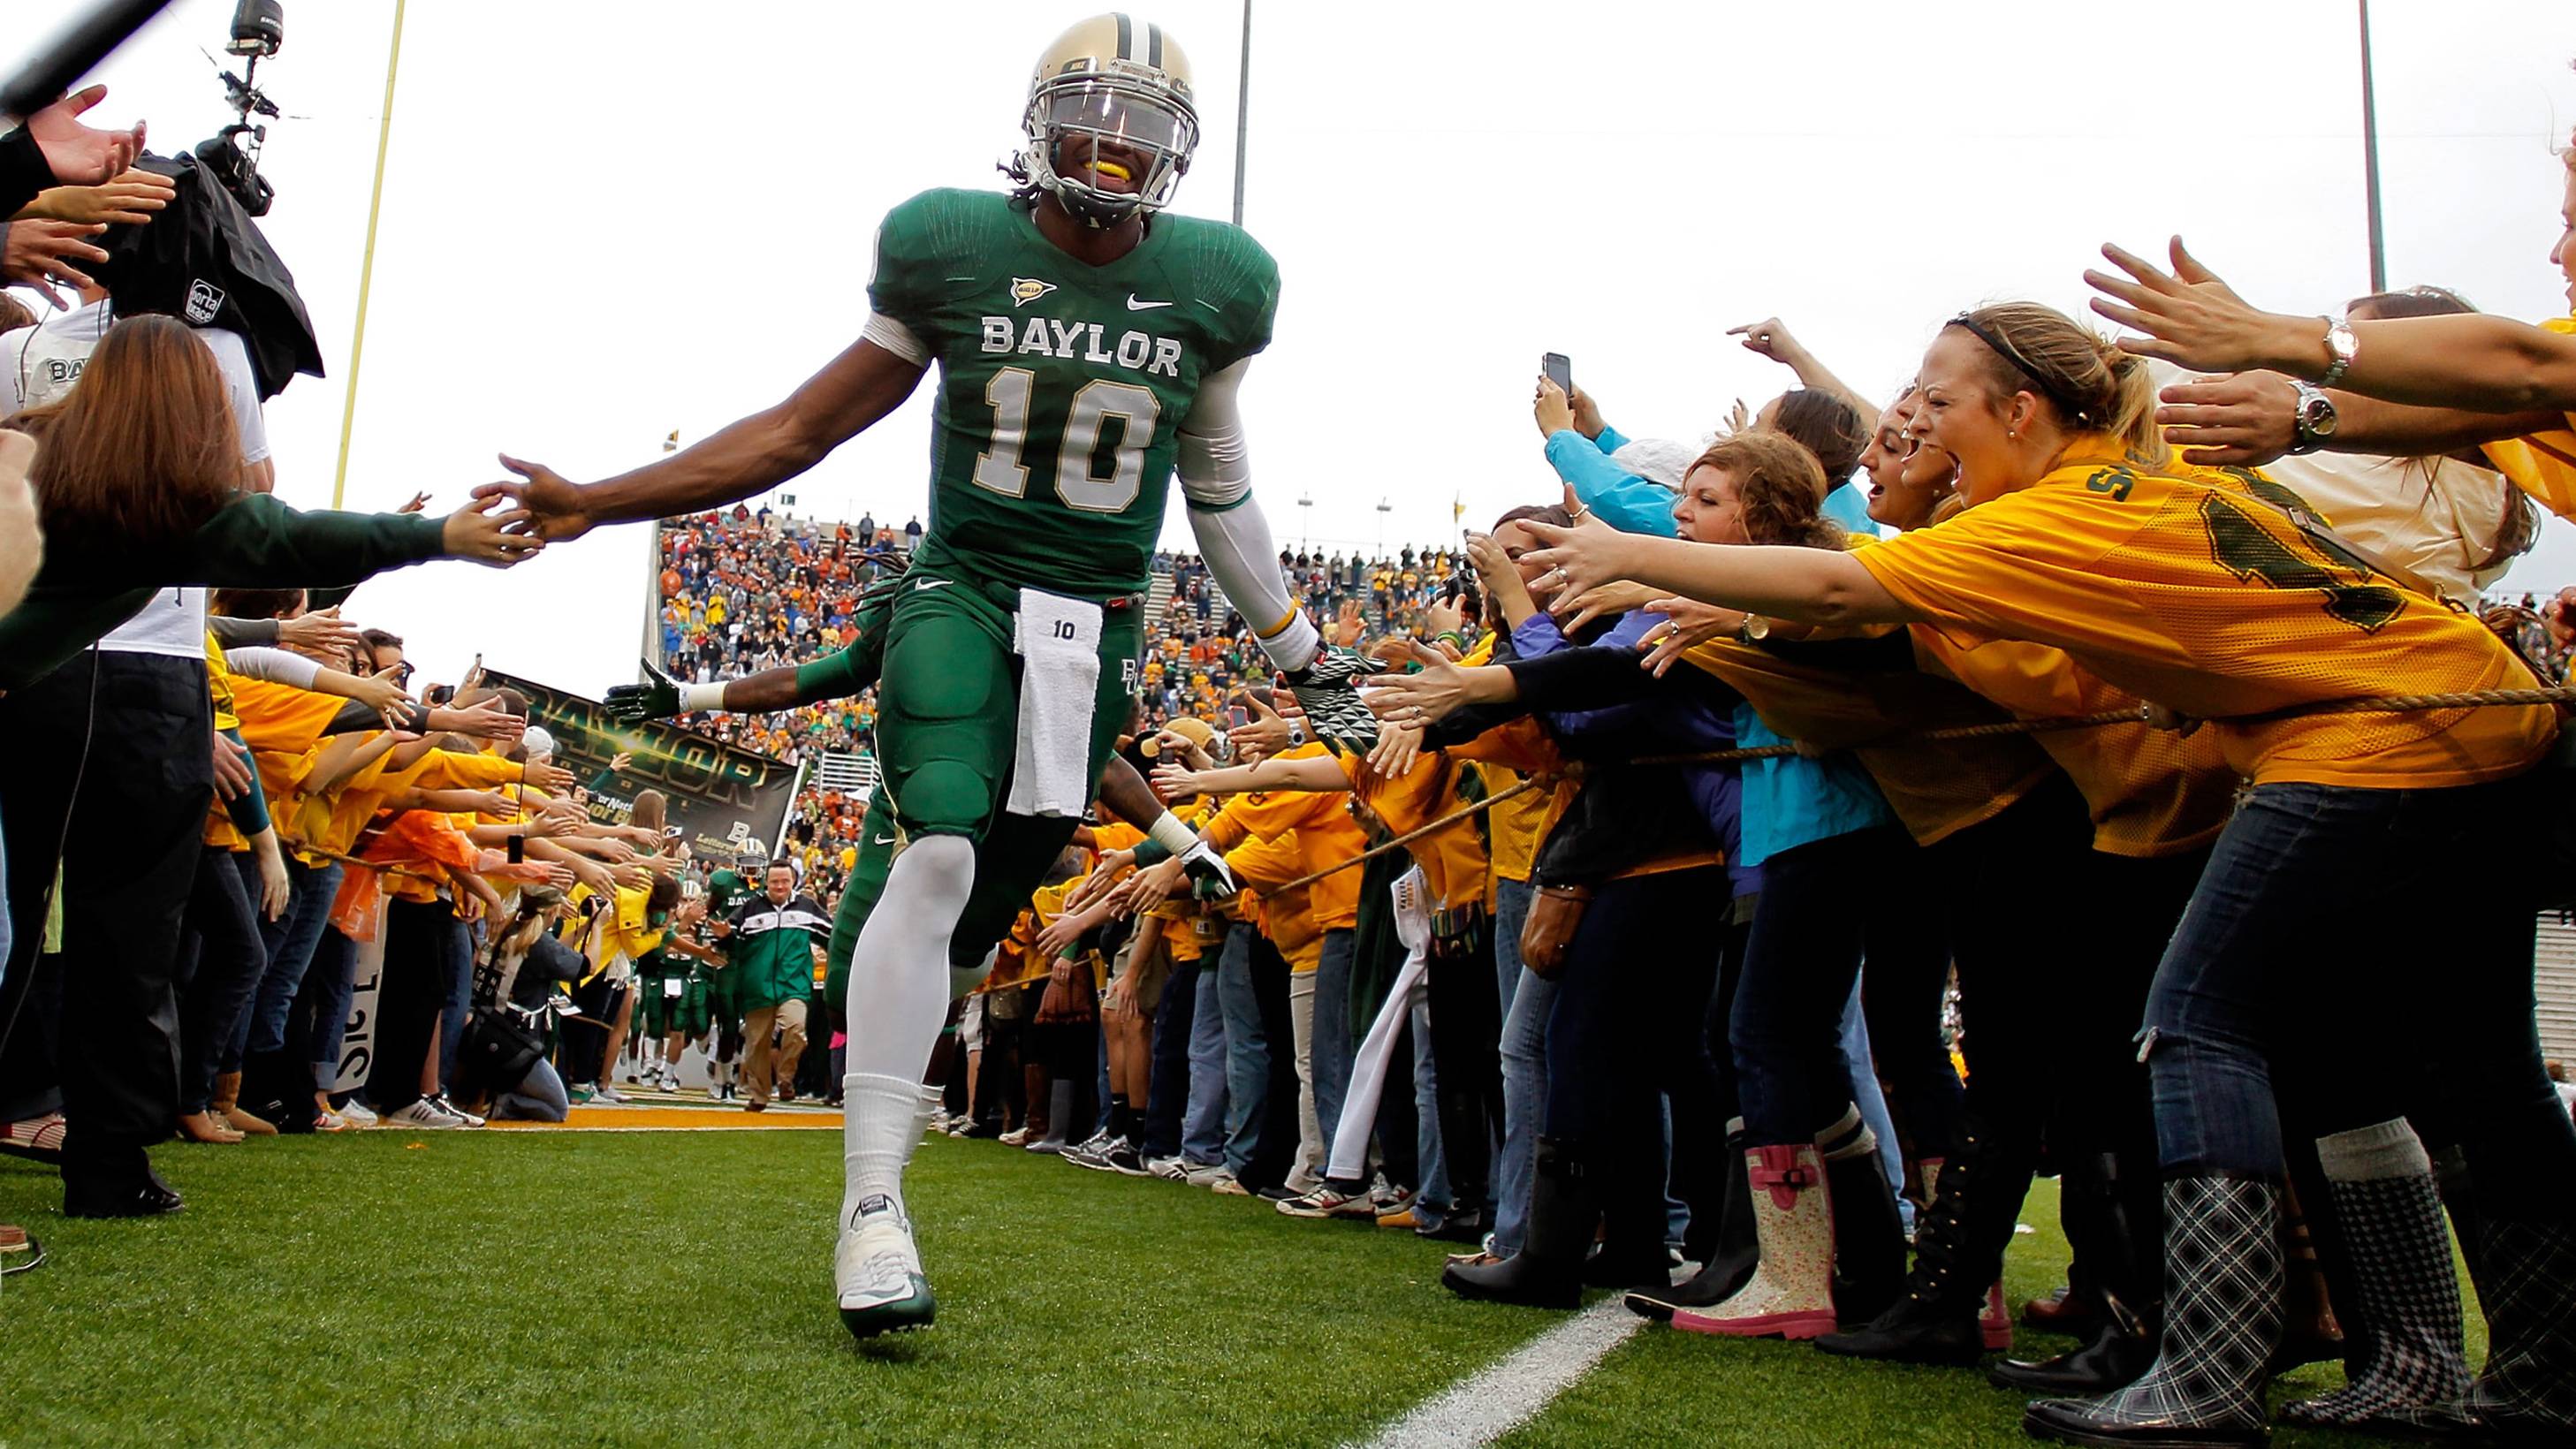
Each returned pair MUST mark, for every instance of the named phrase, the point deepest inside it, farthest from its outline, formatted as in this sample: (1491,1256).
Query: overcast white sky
(602,222)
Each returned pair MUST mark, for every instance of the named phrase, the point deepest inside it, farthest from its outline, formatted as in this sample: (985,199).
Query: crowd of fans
(1640,947)
(747,589)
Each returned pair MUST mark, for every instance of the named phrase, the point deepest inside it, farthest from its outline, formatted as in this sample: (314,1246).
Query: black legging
(1905,945)
(1627,1032)
(424,946)
(1467,1060)
(221,962)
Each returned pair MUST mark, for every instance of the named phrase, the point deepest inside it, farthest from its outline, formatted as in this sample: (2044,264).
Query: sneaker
(1016,1137)
(1052,1146)
(1175,1168)
(1402,1217)
(1227,1186)
(329,1122)
(424,1115)
(1276,1192)
(1387,1199)
(358,1114)
(1094,1153)
(1456,1228)
(876,1272)
(1124,1159)
(607,1093)
(451,1109)
(1328,1201)
(1208,1174)
(578,1095)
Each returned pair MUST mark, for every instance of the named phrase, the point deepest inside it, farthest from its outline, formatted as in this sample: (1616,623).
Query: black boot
(1730,1264)
(2126,1249)
(1934,1320)
(1548,1270)
(1869,1235)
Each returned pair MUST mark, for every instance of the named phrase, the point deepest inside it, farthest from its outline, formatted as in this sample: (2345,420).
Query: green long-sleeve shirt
(252,542)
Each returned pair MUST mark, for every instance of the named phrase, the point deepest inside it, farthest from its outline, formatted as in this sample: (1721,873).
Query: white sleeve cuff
(1172,835)
(896,338)
(700,698)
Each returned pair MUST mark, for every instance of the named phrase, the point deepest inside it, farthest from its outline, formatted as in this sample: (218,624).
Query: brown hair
(649,810)
(1779,487)
(2519,529)
(255,603)
(143,451)
(2087,382)
(1827,426)
(1552,514)
(14,314)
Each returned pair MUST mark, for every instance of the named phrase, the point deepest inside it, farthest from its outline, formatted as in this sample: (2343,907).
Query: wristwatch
(2344,345)
(2312,421)
(1753,630)
(1297,727)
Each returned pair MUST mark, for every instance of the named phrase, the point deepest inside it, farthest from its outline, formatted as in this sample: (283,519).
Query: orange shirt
(1454,860)
(2188,591)
(2543,464)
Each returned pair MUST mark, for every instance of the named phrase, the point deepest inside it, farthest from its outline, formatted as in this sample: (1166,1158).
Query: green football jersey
(1061,385)
(726,890)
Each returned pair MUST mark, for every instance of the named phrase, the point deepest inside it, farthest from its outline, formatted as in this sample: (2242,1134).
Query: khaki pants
(764,1069)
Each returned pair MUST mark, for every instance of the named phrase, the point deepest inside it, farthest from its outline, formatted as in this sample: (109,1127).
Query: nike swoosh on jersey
(921,584)
(1134,305)
(882,840)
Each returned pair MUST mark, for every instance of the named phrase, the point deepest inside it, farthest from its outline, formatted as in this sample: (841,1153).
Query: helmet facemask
(1132,106)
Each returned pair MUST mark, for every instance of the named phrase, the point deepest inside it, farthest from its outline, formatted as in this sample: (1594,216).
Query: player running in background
(1088,346)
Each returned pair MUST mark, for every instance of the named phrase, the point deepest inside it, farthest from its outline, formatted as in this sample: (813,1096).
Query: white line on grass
(1483,1408)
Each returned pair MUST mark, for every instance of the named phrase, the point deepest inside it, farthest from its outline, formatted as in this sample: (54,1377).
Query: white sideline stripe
(1509,1393)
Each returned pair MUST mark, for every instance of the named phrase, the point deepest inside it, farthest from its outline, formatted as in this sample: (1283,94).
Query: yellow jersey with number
(2185,587)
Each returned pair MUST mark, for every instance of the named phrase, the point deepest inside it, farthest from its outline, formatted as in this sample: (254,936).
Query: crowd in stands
(1640,946)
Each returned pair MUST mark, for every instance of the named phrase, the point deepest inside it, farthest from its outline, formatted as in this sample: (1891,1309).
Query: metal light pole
(1305,518)
(1242,111)
(1383,509)
(2370,159)
(367,264)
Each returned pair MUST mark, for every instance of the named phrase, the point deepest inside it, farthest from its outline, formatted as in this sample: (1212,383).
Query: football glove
(1327,689)
(658,697)
(1209,879)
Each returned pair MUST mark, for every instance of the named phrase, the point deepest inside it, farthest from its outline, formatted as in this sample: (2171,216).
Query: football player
(1089,345)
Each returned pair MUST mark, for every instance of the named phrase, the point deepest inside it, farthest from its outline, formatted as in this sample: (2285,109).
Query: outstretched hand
(1429,694)
(551,506)
(2244,420)
(475,532)
(80,155)
(658,697)
(2190,317)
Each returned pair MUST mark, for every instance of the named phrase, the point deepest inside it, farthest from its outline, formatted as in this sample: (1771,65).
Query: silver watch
(2312,420)
(2344,345)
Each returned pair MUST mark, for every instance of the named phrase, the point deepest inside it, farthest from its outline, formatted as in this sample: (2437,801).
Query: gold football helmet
(1121,82)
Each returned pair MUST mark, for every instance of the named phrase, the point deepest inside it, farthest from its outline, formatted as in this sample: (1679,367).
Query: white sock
(898,1001)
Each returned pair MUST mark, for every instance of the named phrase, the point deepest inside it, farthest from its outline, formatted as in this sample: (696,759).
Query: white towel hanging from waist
(1059,645)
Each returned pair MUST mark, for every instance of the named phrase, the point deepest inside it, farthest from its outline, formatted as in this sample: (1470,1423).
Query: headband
(2081,415)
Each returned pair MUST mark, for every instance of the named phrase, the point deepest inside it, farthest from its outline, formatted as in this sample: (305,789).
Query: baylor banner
(726,802)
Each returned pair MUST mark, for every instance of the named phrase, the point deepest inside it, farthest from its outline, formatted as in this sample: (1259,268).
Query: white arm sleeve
(896,338)
(1216,478)
(277,666)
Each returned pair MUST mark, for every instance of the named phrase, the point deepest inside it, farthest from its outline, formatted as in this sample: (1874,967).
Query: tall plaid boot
(2400,1249)
(2222,1319)
(2527,1285)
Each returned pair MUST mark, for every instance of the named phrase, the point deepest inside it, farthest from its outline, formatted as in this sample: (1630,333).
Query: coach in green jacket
(770,952)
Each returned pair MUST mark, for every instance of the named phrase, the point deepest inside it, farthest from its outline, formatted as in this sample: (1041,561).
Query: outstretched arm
(1810,585)
(754,455)
(1216,479)
(1302,772)
(2484,364)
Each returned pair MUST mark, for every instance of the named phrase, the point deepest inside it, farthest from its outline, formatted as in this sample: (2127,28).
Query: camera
(231,155)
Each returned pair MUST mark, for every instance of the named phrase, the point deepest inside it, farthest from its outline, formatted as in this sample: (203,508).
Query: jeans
(1203,1121)
(1247,1050)
(328,983)
(291,939)
(1798,975)
(1432,1164)
(1866,1097)
(220,961)
(1334,1048)
(1167,1089)
(2333,927)
(539,1097)
(1524,1050)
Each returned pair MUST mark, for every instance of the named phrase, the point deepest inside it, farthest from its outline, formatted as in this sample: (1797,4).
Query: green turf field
(569,1288)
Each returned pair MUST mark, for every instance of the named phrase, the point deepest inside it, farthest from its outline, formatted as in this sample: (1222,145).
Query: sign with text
(726,802)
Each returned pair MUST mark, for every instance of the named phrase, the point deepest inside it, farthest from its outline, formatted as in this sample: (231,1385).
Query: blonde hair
(2087,381)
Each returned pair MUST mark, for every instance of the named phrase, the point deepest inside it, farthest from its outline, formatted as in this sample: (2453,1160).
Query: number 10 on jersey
(1012,395)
